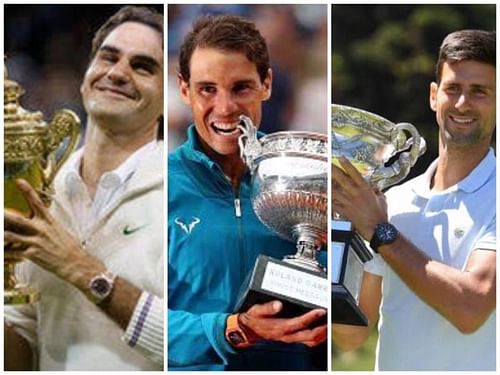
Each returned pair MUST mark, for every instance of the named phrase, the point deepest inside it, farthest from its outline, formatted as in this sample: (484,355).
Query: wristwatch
(101,286)
(384,234)
(235,335)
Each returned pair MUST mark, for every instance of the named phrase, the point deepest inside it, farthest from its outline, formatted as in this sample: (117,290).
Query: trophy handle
(407,159)
(250,146)
(65,124)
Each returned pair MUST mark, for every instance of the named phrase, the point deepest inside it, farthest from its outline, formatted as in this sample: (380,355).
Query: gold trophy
(33,151)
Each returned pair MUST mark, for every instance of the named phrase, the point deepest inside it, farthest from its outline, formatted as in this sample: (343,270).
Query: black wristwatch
(384,234)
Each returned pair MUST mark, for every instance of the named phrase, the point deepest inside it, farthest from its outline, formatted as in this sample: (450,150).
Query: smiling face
(124,82)
(222,86)
(465,103)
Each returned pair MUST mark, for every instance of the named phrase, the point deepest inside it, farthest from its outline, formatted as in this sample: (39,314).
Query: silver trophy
(370,143)
(289,195)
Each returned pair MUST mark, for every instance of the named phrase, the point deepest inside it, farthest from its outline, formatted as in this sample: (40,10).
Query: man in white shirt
(96,255)
(433,282)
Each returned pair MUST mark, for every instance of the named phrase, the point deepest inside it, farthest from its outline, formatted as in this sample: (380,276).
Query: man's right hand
(261,324)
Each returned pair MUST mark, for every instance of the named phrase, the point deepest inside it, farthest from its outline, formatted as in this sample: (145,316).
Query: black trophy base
(345,310)
(299,290)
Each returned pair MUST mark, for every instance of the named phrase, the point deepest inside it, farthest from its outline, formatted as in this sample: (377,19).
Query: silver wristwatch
(101,286)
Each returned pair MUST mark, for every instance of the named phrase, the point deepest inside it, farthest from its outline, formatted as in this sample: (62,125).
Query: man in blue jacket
(214,235)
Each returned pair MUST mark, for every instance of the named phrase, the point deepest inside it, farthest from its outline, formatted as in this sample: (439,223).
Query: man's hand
(355,200)
(45,242)
(261,324)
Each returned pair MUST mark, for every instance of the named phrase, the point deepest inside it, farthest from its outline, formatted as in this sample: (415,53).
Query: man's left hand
(355,200)
(47,243)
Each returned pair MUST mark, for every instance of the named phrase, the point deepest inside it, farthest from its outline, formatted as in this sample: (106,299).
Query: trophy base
(20,296)
(345,310)
(300,290)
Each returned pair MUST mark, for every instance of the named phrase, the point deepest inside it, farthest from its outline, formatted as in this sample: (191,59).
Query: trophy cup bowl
(33,151)
(370,143)
(289,195)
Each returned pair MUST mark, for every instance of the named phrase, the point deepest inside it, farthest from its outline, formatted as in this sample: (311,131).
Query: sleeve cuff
(375,265)
(214,325)
(145,329)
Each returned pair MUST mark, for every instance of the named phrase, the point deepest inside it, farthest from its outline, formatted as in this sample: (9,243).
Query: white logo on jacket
(188,228)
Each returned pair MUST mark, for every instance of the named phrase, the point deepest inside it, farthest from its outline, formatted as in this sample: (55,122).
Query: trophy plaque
(33,151)
(289,195)
(383,152)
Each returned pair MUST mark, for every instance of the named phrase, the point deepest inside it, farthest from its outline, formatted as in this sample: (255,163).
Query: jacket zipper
(239,226)
(237,211)
(237,207)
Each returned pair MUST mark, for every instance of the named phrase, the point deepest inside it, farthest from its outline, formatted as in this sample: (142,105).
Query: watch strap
(375,243)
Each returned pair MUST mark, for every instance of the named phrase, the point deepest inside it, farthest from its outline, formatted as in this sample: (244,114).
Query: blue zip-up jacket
(214,239)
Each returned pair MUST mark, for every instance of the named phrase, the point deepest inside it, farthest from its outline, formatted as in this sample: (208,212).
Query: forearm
(18,355)
(464,298)
(120,304)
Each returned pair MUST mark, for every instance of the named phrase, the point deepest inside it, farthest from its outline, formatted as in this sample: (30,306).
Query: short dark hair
(129,13)
(227,33)
(476,45)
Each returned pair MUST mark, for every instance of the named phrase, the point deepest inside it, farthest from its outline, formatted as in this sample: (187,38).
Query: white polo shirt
(448,226)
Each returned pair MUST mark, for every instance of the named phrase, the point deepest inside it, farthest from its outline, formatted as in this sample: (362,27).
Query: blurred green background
(383,61)
(362,359)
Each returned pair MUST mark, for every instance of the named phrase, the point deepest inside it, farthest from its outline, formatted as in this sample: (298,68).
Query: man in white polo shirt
(433,281)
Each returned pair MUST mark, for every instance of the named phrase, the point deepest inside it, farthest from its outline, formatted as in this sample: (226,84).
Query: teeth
(467,120)
(226,128)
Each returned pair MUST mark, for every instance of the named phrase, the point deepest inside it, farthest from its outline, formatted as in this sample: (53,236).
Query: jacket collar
(195,150)
(149,172)
(192,151)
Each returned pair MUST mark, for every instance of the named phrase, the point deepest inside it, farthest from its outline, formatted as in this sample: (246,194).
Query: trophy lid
(16,118)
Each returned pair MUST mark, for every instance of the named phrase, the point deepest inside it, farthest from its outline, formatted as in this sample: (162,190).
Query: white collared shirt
(110,188)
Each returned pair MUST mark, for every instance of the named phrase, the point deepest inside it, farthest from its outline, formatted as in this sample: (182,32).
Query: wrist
(384,233)
(78,268)
(237,334)
(100,287)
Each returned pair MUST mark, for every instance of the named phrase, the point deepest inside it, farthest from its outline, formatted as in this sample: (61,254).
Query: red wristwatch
(235,335)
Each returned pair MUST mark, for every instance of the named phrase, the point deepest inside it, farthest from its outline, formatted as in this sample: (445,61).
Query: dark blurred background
(383,61)
(47,49)
(297,41)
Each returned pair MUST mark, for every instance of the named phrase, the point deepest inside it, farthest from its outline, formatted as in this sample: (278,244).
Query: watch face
(236,338)
(100,286)
(386,232)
